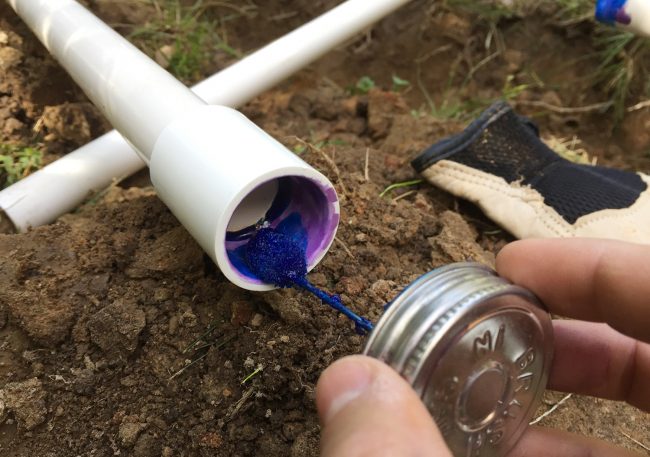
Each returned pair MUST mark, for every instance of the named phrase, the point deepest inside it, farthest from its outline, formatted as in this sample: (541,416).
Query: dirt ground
(118,336)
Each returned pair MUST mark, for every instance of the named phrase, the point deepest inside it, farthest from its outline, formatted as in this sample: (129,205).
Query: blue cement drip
(277,256)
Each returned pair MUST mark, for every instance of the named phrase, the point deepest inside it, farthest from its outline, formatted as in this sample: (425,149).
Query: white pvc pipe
(31,202)
(217,171)
(631,15)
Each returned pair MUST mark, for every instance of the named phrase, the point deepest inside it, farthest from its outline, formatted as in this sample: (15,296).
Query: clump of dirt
(119,336)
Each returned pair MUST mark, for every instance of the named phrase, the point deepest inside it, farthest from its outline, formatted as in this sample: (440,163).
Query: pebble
(257,319)
(10,57)
(128,432)
(249,363)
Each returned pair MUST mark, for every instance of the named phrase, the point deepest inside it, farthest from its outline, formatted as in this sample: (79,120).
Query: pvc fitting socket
(221,176)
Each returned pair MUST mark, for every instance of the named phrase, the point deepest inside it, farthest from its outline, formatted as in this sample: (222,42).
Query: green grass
(253,374)
(192,36)
(399,185)
(364,85)
(624,67)
(399,83)
(571,11)
(16,162)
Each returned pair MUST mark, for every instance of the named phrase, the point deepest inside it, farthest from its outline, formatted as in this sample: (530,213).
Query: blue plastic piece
(611,11)
(277,256)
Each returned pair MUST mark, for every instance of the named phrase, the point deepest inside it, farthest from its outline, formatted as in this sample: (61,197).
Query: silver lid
(477,350)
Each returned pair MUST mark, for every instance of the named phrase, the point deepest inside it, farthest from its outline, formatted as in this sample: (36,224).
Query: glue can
(631,15)
(477,350)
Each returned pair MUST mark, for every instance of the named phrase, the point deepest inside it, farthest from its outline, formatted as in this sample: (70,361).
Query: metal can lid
(477,350)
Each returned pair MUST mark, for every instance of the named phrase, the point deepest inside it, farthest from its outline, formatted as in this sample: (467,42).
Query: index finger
(587,279)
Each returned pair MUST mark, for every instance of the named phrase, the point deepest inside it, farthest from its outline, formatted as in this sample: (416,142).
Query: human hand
(366,408)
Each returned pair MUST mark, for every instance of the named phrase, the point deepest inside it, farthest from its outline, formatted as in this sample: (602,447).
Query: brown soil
(98,309)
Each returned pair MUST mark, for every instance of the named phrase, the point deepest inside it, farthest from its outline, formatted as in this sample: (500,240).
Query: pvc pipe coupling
(222,176)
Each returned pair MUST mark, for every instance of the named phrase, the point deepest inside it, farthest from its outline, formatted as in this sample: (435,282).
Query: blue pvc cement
(278,256)
(612,11)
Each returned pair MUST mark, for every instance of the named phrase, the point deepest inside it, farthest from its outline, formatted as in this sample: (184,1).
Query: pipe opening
(6,225)
(299,207)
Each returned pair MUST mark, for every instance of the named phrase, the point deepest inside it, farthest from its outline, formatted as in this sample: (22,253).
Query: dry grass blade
(550,411)
(570,149)
(637,442)
(345,247)
(639,106)
(602,106)
(210,329)
(327,159)
(365,168)
(240,403)
(404,195)
(193,362)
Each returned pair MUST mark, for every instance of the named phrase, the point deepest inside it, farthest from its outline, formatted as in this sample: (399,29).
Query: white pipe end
(221,175)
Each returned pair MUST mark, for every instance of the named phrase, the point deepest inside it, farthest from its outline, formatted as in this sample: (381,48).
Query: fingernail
(345,381)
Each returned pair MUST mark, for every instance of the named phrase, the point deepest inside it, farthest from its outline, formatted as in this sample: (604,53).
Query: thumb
(366,408)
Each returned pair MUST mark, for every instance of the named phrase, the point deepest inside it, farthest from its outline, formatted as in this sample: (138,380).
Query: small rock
(161,294)
(146,445)
(240,313)
(167,452)
(128,432)
(12,125)
(249,363)
(67,122)
(382,106)
(10,57)
(256,321)
(27,401)
(353,285)
(284,338)
(188,319)
(116,328)
(4,38)
(212,440)
(384,290)
(164,55)
(173,325)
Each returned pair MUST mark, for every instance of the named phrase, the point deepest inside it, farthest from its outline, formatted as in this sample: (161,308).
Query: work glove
(499,163)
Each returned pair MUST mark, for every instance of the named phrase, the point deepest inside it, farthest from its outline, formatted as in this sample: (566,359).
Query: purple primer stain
(278,256)
(317,205)
(622,17)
